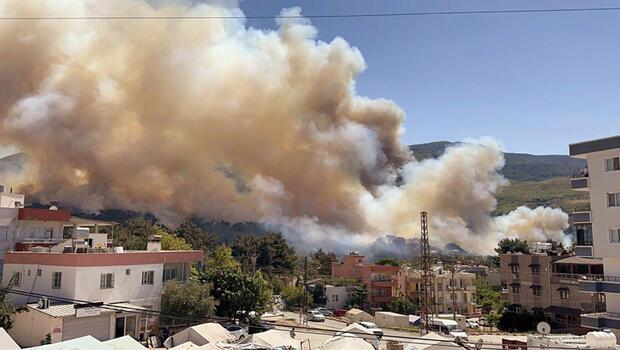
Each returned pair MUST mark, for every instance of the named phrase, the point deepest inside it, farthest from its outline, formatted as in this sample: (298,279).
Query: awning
(563,310)
(533,265)
(562,288)
(515,284)
(535,286)
(579,260)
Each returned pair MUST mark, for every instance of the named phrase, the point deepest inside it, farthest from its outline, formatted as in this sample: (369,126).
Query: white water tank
(601,340)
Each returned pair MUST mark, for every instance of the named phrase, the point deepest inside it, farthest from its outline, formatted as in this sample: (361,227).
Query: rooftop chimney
(154,244)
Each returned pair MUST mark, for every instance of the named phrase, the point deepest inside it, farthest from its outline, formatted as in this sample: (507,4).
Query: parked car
(373,328)
(472,323)
(324,311)
(238,331)
(315,316)
(259,327)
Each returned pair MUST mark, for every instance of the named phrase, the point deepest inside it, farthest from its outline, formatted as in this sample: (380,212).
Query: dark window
(564,294)
(56,280)
(107,281)
(514,268)
(536,291)
(516,288)
(536,270)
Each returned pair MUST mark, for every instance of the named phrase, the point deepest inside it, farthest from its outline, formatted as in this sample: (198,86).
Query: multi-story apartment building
(447,288)
(378,278)
(602,219)
(128,279)
(24,227)
(548,285)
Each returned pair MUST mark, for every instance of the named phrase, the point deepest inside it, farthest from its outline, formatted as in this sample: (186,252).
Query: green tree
(293,297)
(170,241)
(190,299)
(196,236)
(515,245)
(488,297)
(404,305)
(46,340)
(238,293)
(318,294)
(359,297)
(135,232)
(275,253)
(7,308)
(388,262)
(221,258)
(323,262)
(277,285)
(247,248)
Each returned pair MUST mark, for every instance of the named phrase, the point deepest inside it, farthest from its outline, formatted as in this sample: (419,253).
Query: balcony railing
(573,278)
(581,183)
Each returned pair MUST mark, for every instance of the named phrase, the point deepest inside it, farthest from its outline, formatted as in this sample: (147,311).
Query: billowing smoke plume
(215,119)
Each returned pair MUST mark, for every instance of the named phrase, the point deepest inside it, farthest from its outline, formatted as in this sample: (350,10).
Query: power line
(318,16)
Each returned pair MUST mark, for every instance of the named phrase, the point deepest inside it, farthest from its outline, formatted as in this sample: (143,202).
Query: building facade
(602,218)
(131,280)
(451,292)
(378,278)
(548,285)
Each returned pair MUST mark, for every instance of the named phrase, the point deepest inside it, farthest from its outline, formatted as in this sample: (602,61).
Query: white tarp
(6,342)
(124,343)
(88,342)
(348,342)
(272,338)
(201,334)
(357,315)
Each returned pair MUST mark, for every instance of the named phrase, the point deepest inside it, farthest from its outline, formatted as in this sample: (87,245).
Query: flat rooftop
(128,257)
(585,147)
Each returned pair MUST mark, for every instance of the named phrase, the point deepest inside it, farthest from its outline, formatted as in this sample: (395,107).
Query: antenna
(426,283)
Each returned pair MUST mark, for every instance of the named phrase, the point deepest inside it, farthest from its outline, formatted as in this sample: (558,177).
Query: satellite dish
(53,207)
(543,328)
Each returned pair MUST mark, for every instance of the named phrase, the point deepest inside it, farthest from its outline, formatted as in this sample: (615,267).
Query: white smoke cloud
(215,119)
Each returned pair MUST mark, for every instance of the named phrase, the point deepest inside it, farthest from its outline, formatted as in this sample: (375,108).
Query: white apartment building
(21,228)
(602,218)
(131,279)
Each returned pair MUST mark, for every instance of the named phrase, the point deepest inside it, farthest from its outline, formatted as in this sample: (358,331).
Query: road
(316,339)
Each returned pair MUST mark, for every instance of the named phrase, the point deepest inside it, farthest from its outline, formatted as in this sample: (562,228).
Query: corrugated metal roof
(60,310)
(579,260)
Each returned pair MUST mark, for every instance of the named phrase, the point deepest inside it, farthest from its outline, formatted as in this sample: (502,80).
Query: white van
(449,327)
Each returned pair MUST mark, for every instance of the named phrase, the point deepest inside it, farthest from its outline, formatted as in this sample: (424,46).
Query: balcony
(580,182)
(600,284)
(572,278)
(581,215)
(601,320)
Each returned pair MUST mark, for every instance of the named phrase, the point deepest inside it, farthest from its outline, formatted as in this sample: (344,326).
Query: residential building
(22,228)
(548,285)
(446,287)
(130,280)
(601,224)
(378,278)
(336,296)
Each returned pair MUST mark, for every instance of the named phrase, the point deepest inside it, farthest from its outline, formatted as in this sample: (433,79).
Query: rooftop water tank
(601,340)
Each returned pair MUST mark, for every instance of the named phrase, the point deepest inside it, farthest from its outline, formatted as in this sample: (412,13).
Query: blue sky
(537,82)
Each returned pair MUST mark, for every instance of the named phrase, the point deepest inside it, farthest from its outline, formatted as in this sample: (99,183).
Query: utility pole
(427,282)
(305,298)
(453,292)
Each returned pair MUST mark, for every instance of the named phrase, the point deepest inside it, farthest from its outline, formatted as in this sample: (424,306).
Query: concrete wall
(336,297)
(83,283)
(603,218)
(30,327)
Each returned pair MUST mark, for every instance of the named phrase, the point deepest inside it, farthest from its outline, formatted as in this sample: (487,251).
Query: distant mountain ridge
(519,166)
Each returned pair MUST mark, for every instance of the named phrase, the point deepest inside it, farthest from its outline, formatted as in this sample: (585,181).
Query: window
(613,199)
(4,233)
(170,274)
(107,281)
(17,279)
(536,291)
(612,164)
(127,272)
(516,288)
(535,269)
(56,280)
(514,268)
(148,277)
(29,272)
(38,272)
(614,235)
(564,294)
